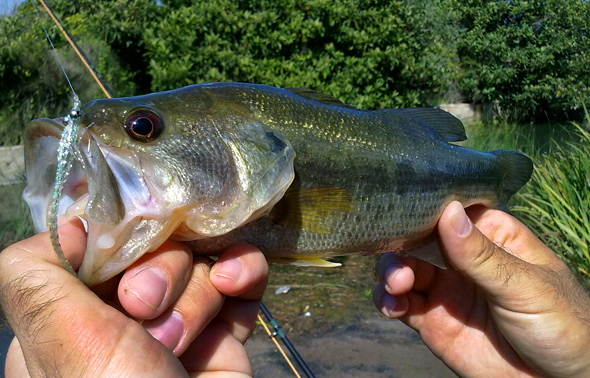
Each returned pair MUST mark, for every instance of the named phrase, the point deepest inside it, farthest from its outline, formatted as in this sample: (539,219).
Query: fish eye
(144,125)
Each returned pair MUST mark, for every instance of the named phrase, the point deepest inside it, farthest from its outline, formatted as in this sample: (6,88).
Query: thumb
(476,256)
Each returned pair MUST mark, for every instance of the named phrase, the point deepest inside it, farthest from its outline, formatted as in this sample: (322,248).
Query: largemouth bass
(296,173)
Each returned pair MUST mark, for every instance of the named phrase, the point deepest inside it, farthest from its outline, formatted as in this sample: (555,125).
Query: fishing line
(55,51)
(103,86)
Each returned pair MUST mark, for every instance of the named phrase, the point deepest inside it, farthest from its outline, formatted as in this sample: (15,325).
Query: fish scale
(294,172)
(415,193)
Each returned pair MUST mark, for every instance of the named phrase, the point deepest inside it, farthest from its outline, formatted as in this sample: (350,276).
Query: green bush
(33,85)
(370,54)
(557,204)
(532,56)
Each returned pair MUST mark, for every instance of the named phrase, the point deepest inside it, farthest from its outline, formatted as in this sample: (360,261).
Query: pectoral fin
(312,210)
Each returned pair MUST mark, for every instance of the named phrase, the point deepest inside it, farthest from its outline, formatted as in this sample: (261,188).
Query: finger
(61,326)
(72,238)
(474,255)
(391,306)
(198,304)
(243,293)
(395,276)
(241,271)
(510,234)
(216,353)
(155,281)
(33,263)
(399,275)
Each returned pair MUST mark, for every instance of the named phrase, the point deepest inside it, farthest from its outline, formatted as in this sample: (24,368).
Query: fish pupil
(143,126)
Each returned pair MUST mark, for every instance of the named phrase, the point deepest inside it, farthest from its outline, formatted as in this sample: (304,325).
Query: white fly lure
(66,153)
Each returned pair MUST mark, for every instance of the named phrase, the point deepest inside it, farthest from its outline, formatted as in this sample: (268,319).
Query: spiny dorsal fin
(447,125)
(325,99)
(312,210)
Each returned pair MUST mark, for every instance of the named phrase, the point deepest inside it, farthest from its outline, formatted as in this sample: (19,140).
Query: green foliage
(33,85)
(532,56)
(557,203)
(120,25)
(366,53)
(27,75)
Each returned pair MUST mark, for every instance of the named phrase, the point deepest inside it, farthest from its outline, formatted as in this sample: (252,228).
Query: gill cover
(144,204)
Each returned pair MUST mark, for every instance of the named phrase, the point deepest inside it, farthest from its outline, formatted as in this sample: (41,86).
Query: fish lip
(45,127)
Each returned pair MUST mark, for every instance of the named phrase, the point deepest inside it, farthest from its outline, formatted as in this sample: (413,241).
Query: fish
(297,173)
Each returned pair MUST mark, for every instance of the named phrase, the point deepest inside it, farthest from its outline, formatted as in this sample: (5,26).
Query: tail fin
(517,169)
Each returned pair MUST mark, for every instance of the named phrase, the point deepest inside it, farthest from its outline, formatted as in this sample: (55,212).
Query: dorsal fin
(447,125)
(323,98)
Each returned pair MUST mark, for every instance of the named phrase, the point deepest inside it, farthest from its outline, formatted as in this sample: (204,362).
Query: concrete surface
(12,165)
(377,348)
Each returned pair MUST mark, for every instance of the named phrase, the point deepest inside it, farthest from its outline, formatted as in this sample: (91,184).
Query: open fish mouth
(103,187)
(41,150)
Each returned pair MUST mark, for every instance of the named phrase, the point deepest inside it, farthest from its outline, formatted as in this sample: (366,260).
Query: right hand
(511,308)
(169,315)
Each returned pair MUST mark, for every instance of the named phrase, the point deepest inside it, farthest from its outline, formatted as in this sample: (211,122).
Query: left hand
(510,308)
(168,315)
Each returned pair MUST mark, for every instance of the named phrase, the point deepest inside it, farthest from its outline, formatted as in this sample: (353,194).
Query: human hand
(201,316)
(510,309)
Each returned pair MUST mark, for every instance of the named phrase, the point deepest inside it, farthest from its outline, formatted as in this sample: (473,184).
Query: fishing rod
(279,332)
(108,93)
(99,80)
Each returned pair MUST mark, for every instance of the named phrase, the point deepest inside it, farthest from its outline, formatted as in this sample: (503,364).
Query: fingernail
(230,269)
(460,222)
(150,286)
(167,329)
(390,272)
(388,303)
